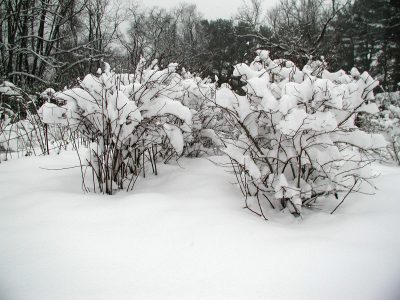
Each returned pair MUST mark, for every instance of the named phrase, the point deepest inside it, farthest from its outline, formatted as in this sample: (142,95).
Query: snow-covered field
(184,235)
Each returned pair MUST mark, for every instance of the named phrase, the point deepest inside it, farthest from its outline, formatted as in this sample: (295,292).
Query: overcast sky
(211,9)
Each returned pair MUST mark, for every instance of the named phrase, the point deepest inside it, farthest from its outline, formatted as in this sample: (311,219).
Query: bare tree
(31,32)
(41,40)
(166,35)
(251,12)
(298,29)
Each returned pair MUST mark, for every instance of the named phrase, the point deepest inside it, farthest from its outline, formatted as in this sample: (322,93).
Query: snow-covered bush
(295,139)
(131,121)
(21,130)
(387,121)
(21,137)
(207,118)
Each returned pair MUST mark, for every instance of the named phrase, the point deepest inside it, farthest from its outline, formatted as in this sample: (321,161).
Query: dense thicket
(369,38)
(181,85)
(48,42)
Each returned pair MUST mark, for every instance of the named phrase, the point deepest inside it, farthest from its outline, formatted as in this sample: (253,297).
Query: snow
(184,235)
(53,114)
(362,139)
(175,137)
(245,71)
(212,135)
(226,98)
(293,121)
(370,108)
(47,94)
(93,85)
(79,97)
(334,76)
(286,103)
(268,102)
(245,160)
(256,86)
(14,136)
(162,105)
(9,89)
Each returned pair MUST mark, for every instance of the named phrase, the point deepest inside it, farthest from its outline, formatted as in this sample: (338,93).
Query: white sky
(211,9)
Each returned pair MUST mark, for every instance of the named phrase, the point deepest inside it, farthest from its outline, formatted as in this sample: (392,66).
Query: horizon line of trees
(49,43)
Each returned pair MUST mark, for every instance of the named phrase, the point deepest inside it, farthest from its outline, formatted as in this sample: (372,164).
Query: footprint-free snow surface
(184,235)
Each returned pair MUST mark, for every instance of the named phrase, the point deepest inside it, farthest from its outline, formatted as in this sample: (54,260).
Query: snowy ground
(184,235)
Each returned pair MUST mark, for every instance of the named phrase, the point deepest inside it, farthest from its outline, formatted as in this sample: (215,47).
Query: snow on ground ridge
(184,235)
